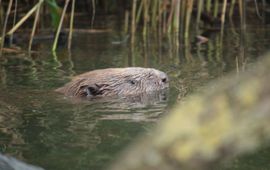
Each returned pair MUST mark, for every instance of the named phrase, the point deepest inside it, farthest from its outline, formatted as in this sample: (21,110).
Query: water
(46,129)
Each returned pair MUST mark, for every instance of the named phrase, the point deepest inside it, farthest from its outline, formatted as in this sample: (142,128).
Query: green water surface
(46,129)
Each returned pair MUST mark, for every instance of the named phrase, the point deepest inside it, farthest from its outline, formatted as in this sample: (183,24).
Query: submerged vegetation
(159,17)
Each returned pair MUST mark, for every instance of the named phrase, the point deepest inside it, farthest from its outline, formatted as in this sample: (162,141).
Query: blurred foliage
(231,119)
(55,12)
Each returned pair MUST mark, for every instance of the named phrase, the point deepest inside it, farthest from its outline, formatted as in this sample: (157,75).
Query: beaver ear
(93,90)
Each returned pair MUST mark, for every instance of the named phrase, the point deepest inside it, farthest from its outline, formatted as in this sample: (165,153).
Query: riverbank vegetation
(163,18)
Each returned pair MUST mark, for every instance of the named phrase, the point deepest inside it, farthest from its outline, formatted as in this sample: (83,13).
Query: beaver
(116,82)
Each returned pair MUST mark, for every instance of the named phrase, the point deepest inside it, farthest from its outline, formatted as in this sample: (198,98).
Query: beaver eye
(132,82)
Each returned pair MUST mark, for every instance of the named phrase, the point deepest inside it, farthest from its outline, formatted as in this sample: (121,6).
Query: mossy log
(229,119)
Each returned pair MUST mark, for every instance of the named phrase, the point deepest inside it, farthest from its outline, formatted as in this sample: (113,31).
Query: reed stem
(93,13)
(23,19)
(169,23)
(242,50)
(145,20)
(139,11)
(5,26)
(14,17)
(159,19)
(208,6)
(164,16)
(231,8)
(223,14)
(240,5)
(1,16)
(71,24)
(176,22)
(133,22)
(126,21)
(243,12)
(154,14)
(188,17)
(199,12)
(263,10)
(216,7)
(60,26)
(34,27)
(183,16)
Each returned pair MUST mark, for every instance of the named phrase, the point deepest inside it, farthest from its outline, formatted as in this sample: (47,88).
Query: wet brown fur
(115,81)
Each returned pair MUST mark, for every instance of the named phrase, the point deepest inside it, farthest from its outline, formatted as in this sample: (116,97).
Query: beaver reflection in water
(116,81)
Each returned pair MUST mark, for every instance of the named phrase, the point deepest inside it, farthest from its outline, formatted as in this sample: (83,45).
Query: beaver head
(116,81)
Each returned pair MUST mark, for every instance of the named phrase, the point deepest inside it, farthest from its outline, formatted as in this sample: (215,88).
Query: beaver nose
(164,78)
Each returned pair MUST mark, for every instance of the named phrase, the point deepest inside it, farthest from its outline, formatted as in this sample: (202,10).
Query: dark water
(46,129)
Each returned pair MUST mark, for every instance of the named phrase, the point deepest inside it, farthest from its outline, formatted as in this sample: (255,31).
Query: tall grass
(5,26)
(34,25)
(143,16)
